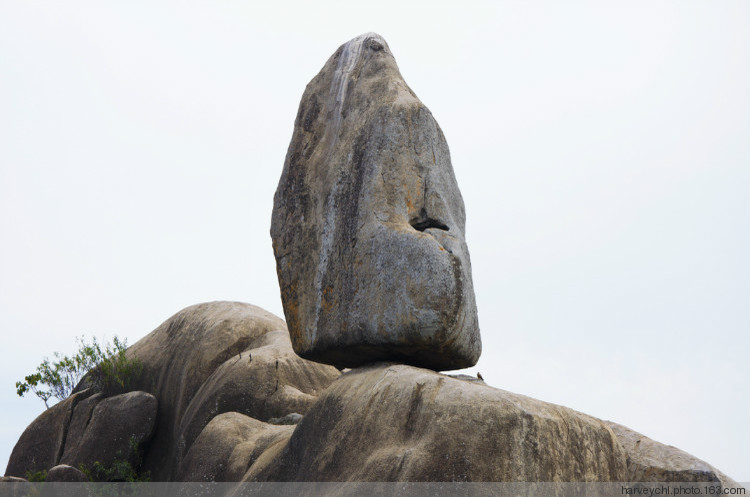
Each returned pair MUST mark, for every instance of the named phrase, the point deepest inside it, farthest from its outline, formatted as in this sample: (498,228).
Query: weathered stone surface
(368,223)
(382,422)
(65,473)
(219,357)
(41,444)
(651,461)
(77,427)
(267,380)
(399,423)
(228,446)
(118,424)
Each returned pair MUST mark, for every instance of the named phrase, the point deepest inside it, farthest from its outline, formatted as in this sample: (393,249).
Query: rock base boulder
(224,398)
(400,423)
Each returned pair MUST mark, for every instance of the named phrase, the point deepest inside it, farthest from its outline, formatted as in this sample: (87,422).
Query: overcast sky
(602,149)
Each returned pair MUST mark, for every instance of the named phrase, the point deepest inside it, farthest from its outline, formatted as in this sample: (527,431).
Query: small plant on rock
(105,366)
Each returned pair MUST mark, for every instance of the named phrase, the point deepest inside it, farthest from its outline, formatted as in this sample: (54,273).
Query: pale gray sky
(603,151)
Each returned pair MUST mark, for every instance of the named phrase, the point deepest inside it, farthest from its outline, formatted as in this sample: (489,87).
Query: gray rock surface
(400,423)
(267,380)
(228,446)
(368,223)
(206,360)
(77,427)
(41,445)
(65,473)
(118,426)
(218,357)
(84,429)
(381,422)
(651,461)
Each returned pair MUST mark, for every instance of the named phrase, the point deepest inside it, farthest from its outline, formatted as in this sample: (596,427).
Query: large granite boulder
(382,422)
(219,357)
(393,422)
(368,223)
(85,429)
(42,444)
(117,428)
(400,423)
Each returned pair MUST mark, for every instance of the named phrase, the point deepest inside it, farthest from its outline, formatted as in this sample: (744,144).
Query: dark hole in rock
(423,223)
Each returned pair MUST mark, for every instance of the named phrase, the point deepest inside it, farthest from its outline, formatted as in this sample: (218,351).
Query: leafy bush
(106,367)
(121,470)
(36,476)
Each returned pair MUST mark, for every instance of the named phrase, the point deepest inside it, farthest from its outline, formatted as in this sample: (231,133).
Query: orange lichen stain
(328,301)
(414,193)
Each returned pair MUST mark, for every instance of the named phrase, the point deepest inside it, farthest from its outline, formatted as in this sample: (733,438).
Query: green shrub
(121,469)
(106,369)
(36,476)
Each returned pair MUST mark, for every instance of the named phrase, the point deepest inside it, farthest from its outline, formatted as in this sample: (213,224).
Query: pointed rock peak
(349,58)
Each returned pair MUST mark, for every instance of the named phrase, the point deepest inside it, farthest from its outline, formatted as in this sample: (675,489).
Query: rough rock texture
(65,473)
(368,223)
(218,357)
(228,446)
(382,422)
(83,429)
(399,423)
(118,425)
(268,381)
(42,443)
(206,360)
(651,461)
(77,427)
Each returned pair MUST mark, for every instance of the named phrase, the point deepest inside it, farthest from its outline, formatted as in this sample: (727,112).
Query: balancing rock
(368,223)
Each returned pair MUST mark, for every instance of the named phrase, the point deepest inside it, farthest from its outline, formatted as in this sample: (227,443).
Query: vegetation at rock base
(105,366)
(36,476)
(120,470)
